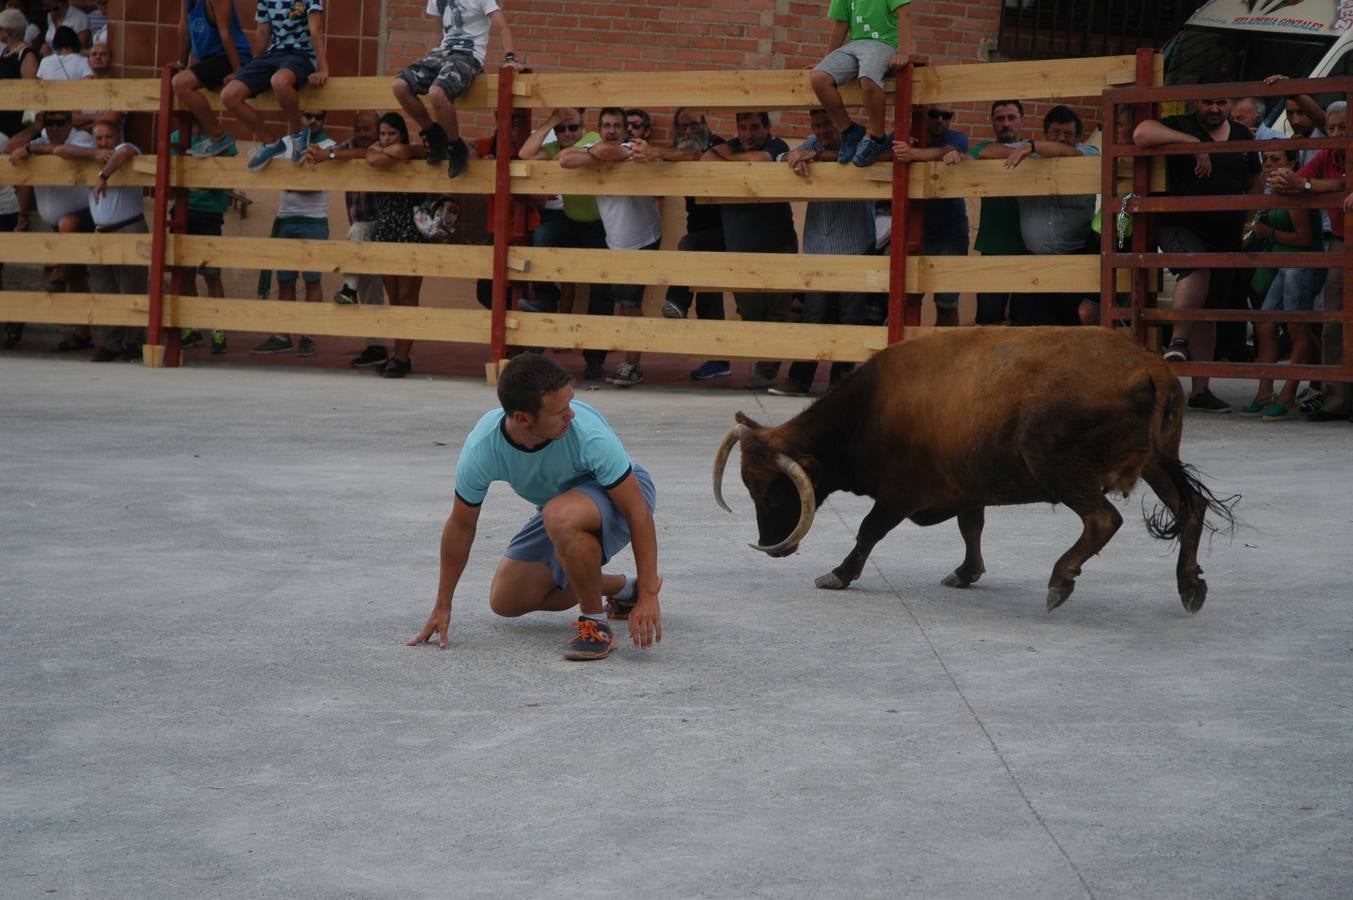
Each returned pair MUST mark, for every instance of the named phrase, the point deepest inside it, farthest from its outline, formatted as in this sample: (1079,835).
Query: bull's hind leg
(1187,506)
(970,522)
(880,520)
(1100,521)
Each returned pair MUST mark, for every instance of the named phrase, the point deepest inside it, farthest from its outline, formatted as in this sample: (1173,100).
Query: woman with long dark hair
(394,224)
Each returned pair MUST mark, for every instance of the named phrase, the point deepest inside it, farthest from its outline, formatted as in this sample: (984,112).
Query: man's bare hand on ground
(646,618)
(439,623)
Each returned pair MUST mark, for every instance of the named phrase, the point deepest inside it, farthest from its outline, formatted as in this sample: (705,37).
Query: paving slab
(208,576)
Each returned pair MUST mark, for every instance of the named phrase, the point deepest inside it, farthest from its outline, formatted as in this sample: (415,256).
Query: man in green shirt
(998,232)
(879,33)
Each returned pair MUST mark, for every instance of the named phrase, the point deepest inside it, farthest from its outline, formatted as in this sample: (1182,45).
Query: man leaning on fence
(839,227)
(1201,175)
(998,231)
(632,223)
(1326,172)
(757,228)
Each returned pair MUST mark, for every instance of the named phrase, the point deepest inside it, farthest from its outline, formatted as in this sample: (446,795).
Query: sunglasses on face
(567,127)
(634,124)
(939,114)
(314,117)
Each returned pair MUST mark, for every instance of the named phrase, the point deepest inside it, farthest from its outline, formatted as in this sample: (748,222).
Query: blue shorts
(1294,290)
(311,230)
(532,544)
(257,73)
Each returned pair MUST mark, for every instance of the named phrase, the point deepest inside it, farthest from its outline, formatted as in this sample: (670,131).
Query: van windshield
(1205,55)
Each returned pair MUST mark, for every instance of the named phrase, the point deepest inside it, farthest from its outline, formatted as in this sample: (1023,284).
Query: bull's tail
(1195,498)
(1162,524)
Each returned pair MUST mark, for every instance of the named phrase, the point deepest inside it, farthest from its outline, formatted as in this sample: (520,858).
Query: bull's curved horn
(731,437)
(807,504)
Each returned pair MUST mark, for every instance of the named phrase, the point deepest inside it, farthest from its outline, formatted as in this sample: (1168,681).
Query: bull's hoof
(1057,596)
(1193,597)
(956,579)
(831,582)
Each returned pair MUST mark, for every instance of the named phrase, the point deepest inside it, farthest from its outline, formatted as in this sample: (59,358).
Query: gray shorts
(859,59)
(532,544)
(451,70)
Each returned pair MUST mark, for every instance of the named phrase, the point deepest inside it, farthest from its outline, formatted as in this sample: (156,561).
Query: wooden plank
(340,175)
(429,260)
(52,170)
(329,319)
(48,247)
(73,309)
(722,89)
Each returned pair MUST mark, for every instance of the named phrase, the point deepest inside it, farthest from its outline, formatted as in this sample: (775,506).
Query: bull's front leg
(881,520)
(970,523)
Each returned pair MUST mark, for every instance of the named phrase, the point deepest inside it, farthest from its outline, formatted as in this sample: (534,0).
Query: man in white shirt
(632,223)
(117,210)
(301,215)
(64,209)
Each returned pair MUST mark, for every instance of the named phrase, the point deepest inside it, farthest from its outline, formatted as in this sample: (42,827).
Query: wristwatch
(1307,185)
(332,153)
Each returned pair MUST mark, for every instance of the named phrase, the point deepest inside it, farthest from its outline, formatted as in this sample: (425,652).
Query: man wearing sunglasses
(945,221)
(570,220)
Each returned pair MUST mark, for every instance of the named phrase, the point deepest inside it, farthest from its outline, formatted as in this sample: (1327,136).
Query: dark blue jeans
(828,309)
(558,230)
(708,304)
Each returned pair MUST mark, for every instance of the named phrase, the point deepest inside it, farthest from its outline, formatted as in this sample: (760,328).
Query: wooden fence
(903,272)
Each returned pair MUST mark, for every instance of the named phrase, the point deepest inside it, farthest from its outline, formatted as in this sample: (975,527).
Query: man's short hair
(116,126)
(1015,103)
(1338,106)
(525,381)
(1063,115)
(1260,107)
(676,116)
(610,111)
(764,116)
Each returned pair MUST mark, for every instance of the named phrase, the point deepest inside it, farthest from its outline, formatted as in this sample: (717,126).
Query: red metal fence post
(1144,228)
(158,239)
(897,250)
(502,214)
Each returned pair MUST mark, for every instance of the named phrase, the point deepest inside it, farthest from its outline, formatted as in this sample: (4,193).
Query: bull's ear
(744,420)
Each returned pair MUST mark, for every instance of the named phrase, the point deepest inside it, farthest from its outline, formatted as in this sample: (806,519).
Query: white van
(1248,40)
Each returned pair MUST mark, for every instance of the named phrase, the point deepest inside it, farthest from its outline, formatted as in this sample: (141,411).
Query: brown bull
(947,424)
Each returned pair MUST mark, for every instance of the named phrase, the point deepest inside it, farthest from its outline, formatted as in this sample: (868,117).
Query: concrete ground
(208,576)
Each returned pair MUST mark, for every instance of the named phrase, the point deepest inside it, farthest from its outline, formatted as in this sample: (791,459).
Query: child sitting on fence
(446,73)
(293,32)
(879,33)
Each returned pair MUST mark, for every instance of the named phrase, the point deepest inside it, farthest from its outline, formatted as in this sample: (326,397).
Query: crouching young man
(591,500)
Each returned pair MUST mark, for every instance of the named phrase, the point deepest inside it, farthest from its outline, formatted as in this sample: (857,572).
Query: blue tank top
(206,40)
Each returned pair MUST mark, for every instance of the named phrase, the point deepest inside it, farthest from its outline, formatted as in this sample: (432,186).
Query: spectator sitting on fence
(211,35)
(446,73)
(114,211)
(1202,174)
(361,205)
(879,33)
(395,224)
(65,63)
(61,14)
(1249,111)
(998,231)
(631,223)
(206,216)
(293,33)
(1056,224)
(839,227)
(301,215)
(944,230)
(757,228)
(591,500)
(1286,288)
(1327,172)
(64,209)
(704,232)
(576,221)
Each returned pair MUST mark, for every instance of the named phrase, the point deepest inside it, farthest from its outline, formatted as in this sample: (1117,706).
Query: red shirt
(524,218)
(1325,165)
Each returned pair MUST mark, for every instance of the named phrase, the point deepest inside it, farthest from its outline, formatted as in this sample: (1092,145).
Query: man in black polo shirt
(1202,174)
(757,228)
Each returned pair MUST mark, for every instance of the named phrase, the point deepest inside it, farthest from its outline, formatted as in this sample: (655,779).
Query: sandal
(1255,408)
(72,342)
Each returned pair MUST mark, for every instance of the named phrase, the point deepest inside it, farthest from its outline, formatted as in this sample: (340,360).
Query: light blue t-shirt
(589,451)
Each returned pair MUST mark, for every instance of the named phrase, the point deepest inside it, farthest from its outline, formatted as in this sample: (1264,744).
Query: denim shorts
(308,230)
(532,544)
(1295,289)
(257,73)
